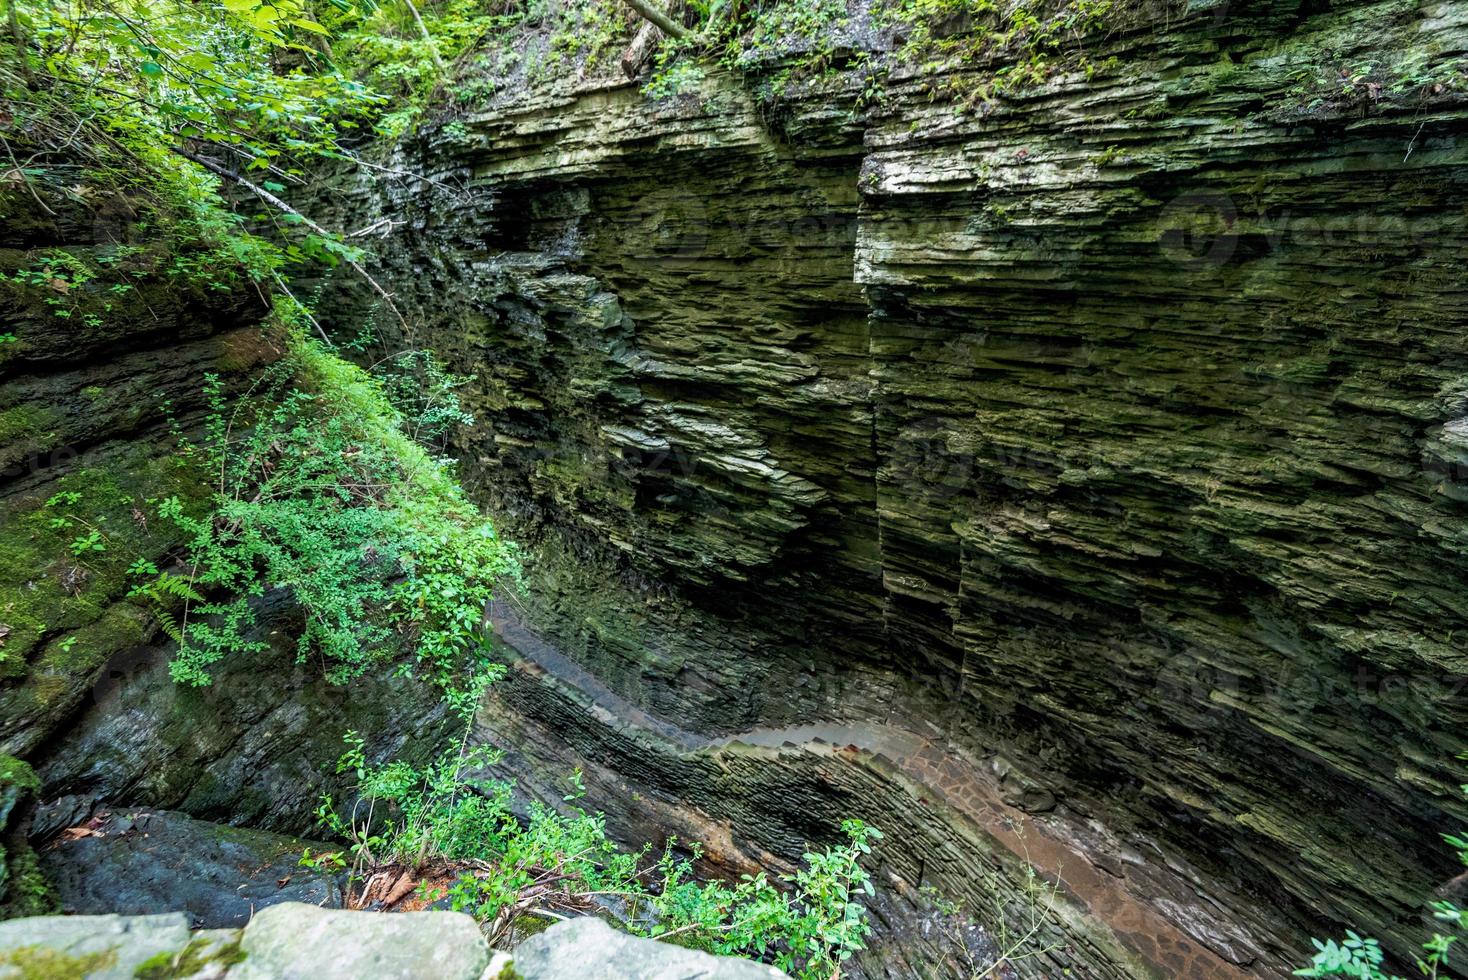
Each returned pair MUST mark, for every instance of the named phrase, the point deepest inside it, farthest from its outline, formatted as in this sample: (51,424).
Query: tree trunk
(639,52)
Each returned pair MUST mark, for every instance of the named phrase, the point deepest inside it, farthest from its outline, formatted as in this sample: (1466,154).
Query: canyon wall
(1075,481)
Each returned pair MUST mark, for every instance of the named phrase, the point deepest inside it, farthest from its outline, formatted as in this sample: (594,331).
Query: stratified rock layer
(1110,438)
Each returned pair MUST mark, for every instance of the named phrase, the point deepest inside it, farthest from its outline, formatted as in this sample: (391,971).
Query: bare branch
(279,205)
(432,44)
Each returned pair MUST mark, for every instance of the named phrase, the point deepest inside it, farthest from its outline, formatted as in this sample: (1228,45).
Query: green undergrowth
(1408,74)
(467,52)
(972,51)
(998,47)
(23,889)
(27,890)
(18,774)
(319,489)
(447,820)
(454,56)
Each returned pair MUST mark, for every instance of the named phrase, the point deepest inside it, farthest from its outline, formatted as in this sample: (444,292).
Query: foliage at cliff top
(467,53)
(154,102)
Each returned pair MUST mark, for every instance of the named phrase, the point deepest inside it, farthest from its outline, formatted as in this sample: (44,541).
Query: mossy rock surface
(94,947)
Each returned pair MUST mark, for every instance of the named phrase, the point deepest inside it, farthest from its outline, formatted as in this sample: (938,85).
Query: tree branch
(432,44)
(666,24)
(22,51)
(279,205)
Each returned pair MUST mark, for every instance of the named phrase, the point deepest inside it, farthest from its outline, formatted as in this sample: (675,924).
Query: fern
(162,593)
(169,624)
(168,584)
(323,493)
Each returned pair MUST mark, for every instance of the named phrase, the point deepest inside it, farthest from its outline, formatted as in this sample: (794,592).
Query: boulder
(302,942)
(95,947)
(589,949)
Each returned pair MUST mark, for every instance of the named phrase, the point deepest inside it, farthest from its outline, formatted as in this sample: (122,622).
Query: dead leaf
(405,884)
(77,833)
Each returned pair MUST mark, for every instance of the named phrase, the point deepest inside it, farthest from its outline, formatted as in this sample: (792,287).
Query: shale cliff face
(1078,482)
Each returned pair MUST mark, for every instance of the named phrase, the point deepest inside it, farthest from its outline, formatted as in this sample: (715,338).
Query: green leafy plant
(808,929)
(445,822)
(164,594)
(88,543)
(425,395)
(404,50)
(321,491)
(324,861)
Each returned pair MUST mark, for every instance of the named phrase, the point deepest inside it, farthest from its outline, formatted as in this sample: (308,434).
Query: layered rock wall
(1106,438)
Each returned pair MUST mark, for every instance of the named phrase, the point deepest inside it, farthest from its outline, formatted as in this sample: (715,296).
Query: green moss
(24,430)
(27,890)
(14,772)
(40,963)
(22,421)
(66,614)
(119,627)
(201,952)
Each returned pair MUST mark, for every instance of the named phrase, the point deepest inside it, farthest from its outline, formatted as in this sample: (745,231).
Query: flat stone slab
(302,942)
(138,862)
(94,947)
(589,949)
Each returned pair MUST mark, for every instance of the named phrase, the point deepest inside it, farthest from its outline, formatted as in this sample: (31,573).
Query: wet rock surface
(138,862)
(258,746)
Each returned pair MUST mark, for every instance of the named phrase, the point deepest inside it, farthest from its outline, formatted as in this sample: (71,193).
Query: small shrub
(320,491)
(442,819)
